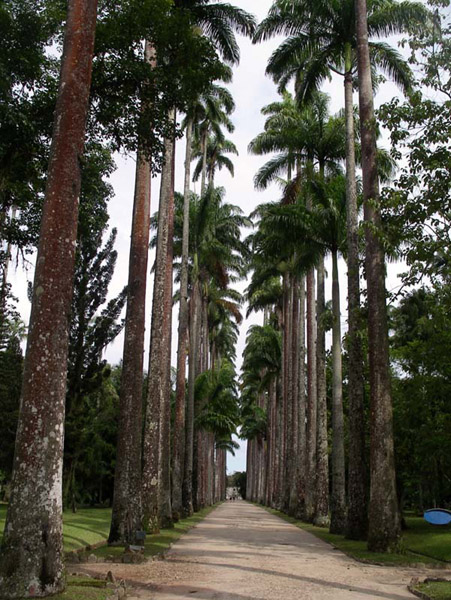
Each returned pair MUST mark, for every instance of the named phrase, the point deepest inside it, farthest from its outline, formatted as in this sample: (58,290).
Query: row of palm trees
(159,476)
(288,457)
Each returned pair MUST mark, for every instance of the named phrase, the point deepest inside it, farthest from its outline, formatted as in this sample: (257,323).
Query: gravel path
(241,552)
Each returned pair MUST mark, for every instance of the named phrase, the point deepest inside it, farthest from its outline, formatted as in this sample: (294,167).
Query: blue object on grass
(438,516)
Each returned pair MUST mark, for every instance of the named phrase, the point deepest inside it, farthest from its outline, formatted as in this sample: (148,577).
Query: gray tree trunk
(126,518)
(294,418)
(338,496)
(32,556)
(179,425)
(357,523)
(194,337)
(156,450)
(384,529)
(302,443)
(312,406)
(321,516)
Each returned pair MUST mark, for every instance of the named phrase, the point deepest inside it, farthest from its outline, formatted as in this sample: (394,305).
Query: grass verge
(86,527)
(90,526)
(158,543)
(435,546)
(84,588)
(435,590)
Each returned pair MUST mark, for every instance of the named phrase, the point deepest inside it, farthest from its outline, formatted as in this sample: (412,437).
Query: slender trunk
(302,444)
(384,523)
(288,457)
(311,398)
(126,517)
(156,449)
(204,161)
(179,424)
(357,525)
(294,418)
(338,497)
(32,546)
(321,517)
(278,445)
(187,488)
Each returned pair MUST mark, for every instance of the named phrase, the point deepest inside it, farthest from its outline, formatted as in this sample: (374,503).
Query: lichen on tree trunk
(32,548)
(126,517)
(384,528)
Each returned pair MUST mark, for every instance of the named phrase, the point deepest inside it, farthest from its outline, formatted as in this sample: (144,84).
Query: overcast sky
(251,90)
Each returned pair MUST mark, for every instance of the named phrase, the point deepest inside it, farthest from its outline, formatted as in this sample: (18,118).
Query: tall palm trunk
(194,334)
(204,161)
(32,548)
(302,399)
(357,523)
(179,424)
(338,497)
(126,518)
(321,517)
(287,393)
(156,481)
(311,398)
(384,521)
(294,417)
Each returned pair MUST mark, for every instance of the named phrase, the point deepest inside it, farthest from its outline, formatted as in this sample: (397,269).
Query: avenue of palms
(316,392)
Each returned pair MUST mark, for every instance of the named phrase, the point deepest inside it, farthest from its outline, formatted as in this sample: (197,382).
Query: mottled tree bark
(302,443)
(338,496)
(156,450)
(288,458)
(321,516)
(194,335)
(294,418)
(32,548)
(384,522)
(180,393)
(357,523)
(311,398)
(127,506)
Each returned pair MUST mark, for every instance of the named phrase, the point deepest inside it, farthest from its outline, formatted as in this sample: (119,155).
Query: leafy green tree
(11,366)
(420,346)
(322,40)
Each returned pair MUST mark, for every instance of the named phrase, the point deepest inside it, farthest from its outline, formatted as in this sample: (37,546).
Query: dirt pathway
(241,552)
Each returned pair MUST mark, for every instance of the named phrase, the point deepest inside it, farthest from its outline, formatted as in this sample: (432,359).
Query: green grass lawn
(158,543)
(422,543)
(83,588)
(90,526)
(86,527)
(437,590)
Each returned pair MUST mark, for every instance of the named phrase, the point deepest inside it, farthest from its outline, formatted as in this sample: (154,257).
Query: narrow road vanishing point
(241,552)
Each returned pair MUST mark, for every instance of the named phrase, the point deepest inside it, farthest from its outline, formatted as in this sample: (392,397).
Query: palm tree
(310,136)
(209,115)
(156,458)
(261,370)
(218,22)
(384,523)
(127,505)
(32,561)
(195,115)
(322,39)
(215,253)
(328,226)
(214,158)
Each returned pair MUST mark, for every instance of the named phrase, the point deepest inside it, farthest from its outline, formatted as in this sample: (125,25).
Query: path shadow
(319,582)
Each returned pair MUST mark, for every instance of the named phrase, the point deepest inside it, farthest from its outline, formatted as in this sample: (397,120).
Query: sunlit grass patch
(422,543)
(436,590)
(158,543)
